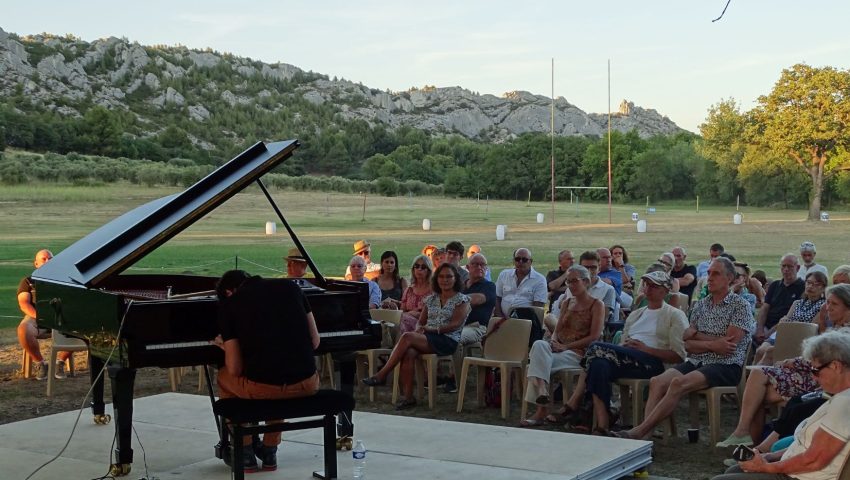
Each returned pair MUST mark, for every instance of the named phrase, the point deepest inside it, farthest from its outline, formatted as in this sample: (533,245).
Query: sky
(666,54)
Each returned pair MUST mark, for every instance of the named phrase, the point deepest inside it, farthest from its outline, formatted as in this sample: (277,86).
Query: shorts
(441,344)
(716,374)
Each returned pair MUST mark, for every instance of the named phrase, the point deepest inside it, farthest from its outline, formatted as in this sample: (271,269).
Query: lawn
(52,216)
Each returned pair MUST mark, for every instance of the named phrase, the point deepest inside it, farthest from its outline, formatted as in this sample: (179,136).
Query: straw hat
(360,245)
(294,254)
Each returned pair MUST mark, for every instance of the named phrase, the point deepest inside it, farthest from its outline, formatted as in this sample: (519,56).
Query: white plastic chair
(391,319)
(62,343)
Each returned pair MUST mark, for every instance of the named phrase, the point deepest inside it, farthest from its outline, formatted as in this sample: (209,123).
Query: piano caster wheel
(344,443)
(119,469)
(102,419)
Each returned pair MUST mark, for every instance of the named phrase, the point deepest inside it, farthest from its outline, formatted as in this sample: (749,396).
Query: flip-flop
(531,422)
(560,418)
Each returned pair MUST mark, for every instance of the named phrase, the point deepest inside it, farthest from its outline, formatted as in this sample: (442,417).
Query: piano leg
(98,409)
(344,364)
(123,380)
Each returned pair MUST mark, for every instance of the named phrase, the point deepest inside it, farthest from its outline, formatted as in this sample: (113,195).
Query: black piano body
(134,321)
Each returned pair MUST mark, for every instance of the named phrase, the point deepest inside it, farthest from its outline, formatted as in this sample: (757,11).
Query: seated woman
(620,261)
(438,331)
(777,384)
(415,293)
(580,323)
(741,285)
(651,337)
(803,310)
(820,445)
(390,282)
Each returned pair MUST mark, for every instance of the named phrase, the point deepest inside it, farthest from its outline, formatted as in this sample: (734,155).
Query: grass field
(50,216)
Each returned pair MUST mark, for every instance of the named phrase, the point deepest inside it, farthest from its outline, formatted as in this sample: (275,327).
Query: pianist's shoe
(267,455)
(40,370)
(249,461)
(59,373)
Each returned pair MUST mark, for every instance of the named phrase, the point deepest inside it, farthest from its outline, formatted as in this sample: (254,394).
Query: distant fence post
(363,219)
(697,203)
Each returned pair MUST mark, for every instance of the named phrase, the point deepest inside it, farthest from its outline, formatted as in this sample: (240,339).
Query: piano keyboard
(340,333)
(178,345)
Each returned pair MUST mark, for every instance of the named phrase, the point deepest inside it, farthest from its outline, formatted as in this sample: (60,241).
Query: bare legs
(665,391)
(27,333)
(408,348)
(758,392)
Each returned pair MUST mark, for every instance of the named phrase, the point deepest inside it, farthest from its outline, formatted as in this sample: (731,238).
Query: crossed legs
(410,345)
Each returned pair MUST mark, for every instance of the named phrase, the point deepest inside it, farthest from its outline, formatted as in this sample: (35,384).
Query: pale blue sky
(666,55)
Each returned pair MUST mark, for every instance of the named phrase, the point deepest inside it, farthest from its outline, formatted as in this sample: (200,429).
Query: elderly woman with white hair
(579,324)
(822,442)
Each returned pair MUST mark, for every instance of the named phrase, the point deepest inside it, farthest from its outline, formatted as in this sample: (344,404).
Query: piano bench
(237,415)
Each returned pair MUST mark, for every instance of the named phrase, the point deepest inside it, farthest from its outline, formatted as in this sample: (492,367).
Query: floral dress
(411,302)
(792,379)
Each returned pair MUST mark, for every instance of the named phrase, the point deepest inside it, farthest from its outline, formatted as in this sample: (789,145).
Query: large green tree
(806,117)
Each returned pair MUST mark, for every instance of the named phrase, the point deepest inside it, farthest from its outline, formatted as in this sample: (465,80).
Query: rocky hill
(68,75)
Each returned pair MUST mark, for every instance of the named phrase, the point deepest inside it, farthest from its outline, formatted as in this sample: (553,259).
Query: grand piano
(132,321)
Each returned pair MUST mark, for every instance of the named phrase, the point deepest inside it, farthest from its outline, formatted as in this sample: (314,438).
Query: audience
(454,252)
(820,445)
(580,323)
(415,293)
(390,282)
(438,331)
(714,251)
(607,273)
(556,280)
(620,260)
(598,289)
(521,286)
(357,268)
(776,385)
(716,341)
(296,264)
(363,249)
(685,274)
(739,286)
(807,255)
(652,336)
(779,297)
(472,250)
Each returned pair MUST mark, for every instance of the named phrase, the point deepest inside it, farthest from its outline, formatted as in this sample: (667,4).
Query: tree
(807,118)
(723,143)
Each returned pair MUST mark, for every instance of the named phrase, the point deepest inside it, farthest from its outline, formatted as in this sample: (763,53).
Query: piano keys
(135,321)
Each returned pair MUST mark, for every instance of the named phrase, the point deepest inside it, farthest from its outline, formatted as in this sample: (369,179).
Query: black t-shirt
(554,293)
(269,318)
(25,286)
(482,313)
(780,297)
(686,269)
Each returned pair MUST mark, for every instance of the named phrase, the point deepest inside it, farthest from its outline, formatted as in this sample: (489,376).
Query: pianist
(268,334)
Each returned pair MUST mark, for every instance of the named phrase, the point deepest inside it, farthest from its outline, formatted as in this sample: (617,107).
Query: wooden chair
(390,319)
(713,403)
(506,349)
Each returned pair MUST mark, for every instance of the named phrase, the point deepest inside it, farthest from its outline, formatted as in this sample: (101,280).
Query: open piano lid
(119,244)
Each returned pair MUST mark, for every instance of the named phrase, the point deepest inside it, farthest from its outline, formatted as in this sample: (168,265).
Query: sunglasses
(364,253)
(420,266)
(522,259)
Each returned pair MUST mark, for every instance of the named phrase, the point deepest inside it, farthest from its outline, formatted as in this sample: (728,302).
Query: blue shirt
(616,279)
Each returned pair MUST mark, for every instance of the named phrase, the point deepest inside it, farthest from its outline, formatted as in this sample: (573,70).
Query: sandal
(404,404)
(561,417)
(374,381)
(531,422)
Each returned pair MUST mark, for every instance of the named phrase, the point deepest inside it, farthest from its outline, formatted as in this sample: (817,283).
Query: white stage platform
(177,432)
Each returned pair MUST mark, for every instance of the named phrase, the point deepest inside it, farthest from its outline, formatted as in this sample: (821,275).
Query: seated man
(482,299)
(28,331)
(714,251)
(472,250)
(357,267)
(557,279)
(296,265)
(268,335)
(716,341)
(807,254)
(521,286)
(779,297)
(363,249)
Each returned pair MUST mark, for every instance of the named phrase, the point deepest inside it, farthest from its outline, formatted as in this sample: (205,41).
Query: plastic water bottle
(359,455)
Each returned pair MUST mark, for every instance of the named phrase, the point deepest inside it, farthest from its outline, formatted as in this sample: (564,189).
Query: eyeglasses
(477,264)
(420,266)
(522,259)
(591,267)
(814,283)
(788,267)
(356,265)
(816,370)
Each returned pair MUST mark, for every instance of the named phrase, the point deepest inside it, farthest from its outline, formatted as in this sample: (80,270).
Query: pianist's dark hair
(231,280)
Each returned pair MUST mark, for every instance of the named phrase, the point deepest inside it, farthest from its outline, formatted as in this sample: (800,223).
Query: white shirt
(833,419)
(815,267)
(600,290)
(645,328)
(532,288)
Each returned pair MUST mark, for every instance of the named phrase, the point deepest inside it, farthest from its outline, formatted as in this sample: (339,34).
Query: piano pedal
(102,419)
(119,469)
(344,443)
